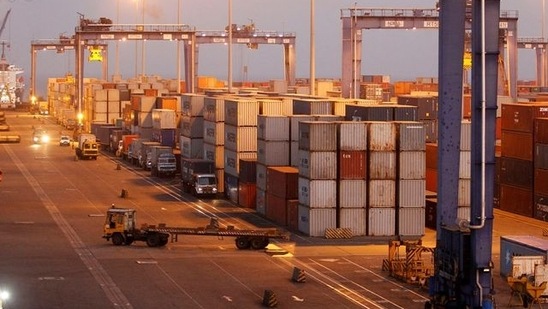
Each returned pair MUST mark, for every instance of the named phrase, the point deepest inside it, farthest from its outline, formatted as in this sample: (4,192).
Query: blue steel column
(481,234)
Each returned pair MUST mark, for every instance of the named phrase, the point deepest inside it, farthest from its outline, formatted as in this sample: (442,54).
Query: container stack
(541,170)
(317,177)
(164,127)
(427,113)
(352,176)
(142,110)
(517,166)
(247,186)
(382,179)
(214,135)
(240,139)
(192,126)
(411,175)
(282,197)
(312,107)
(465,170)
(100,106)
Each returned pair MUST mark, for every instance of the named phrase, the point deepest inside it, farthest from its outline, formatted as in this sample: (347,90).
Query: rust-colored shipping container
(516,200)
(517,145)
(467,106)
(541,207)
(521,116)
(432,155)
(352,164)
(247,195)
(516,172)
(541,130)
(541,181)
(276,209)
(167,103)
(283,181)
(248,170)
(432,179)
(293,214)
(151,92)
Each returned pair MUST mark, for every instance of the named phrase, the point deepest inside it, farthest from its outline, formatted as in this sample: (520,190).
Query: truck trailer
(162,161)
(198,177)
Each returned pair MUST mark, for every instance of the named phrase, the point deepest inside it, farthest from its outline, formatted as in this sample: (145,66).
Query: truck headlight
(199,189)
(214,190)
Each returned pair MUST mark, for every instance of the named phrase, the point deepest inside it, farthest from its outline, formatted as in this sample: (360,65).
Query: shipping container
(381,221)
(248,171)
(192,126)
(231,188)
(314,221)
(240,139)
(427,106)
(294,153)
(520,245)
(318,135)
(261,176)
(166,137)
(354,219)
(516,200)
(517,145)
(260,206)
(541,130)
(171,103)
(382,193)
(411,136)
(431,130)
(214,109)
(294,124)
(405,113)
(411,221)
(273,152)
(352,135)
(247,193)
(192,104)
(276,209)
(540,210)
(272,107)
(214,153)
(382,136)
(352,193)
(541,156)
(382,165)
(516,172)
(214,132)
(411,193)
(273,128)
(242,112)
(352,164)
(232,161)
(412,165)
(466,135)
(369,113)
(318,164)
(164,119)
(292,214)
(192,148)
(431,213)
(144,119)
(282,181)
(142,103)
(317,193)
(521,116)
(312,107)
(465,167)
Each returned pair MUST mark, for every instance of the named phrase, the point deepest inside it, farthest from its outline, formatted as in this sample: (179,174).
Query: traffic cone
(298,275)
(269,299)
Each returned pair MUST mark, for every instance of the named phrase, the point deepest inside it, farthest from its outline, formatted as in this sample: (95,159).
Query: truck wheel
(163,240)
(242,242)
(153,240)
(117,239)
(129,241)
(258,243)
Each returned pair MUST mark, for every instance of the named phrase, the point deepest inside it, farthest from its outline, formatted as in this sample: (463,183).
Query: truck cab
(204,184)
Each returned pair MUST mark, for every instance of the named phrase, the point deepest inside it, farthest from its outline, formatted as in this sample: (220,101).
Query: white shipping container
(146,103)
(466,135)
(382,193)
(261,176)
(411,136)
(382,165)
(352,193)
(355,219)
(192,104)
(313,222)
(232,160)
(164,119)
(101,94)
(214,132)
(411,221)
(317,193)
(381,221)
(192,126)
(295,158)
(100,106)
(114,107)
(273,152)
(273,128)
(382,136)
(145,133)
(412,165)
(463,212)
(100,117)
(260,201)
(464,192)
(241,112)
(192,148)
(294,124)
(144,119)
(113,94)
(525,265)
(240,139)
(215,153)
(318,135)
(214,109)
(271,107)
(411,193)
(352,135)
(318,164)
(465,164)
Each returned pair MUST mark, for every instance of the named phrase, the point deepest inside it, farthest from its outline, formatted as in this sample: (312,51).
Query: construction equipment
(120,226)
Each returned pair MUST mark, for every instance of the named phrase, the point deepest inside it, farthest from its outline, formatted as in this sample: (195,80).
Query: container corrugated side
(382,193)
(271,107)
(465,167)
(464,192)
(192,126)
(164,119)
(314,222)
(382,165)
(276,209)
(541,130)
(411,221)
(191,147)
(520,245)
(144,119)
(273,152)
(412,165)
(283,181)
(261,176)
(100,106)
(295,158)
(192,104)
(318,135)
(411,136)
(411,193)
(382,136)
(241,112)
(517,145)
(352,193)
(214,132)
(516,200)
(232,161)
(312,107)
(240,139)
(318,164)
(317,193)
(215,153)
(352,135)
(381,221)
(352,164)
(260,206)
(541,156)
(541,181)
(463,212)
(466,135)
(273,128)
(520,117)
(525,265)
(294,124)
(214,109)
(355,219)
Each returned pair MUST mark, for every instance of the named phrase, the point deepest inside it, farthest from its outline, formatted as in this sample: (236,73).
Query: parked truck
(144,156)
(198,177)
(124,148)
(87,147)
(162,161)
(121,226)
(134,150)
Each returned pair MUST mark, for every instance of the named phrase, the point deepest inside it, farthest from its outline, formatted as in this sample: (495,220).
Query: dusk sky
(401,54)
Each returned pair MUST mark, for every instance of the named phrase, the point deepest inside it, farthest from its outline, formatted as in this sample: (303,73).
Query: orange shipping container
(517,145)
(432,179)
(247,195)
(283,181)
(293,214)
(151,92)
(352,164)
(166,103)
(276,209)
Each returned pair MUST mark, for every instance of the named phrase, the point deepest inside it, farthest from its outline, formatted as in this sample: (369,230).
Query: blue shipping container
(166,137)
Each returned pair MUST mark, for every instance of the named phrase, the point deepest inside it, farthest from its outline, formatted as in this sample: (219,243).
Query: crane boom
(5,21)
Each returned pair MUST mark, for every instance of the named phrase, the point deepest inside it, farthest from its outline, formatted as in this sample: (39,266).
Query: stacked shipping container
(214,135)
(192,126)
